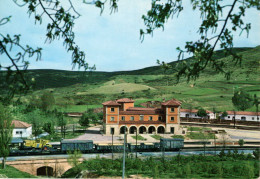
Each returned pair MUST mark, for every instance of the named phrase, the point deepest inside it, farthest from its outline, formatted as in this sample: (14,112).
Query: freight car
(87,146)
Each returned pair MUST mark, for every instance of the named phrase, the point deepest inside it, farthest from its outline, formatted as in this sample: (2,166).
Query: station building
(121,115)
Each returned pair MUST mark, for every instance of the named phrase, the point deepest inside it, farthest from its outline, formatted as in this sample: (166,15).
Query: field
(11,172)
(76,91)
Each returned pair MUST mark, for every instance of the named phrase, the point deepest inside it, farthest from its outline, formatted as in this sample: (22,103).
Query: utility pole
(112,145)
(136,144)
(123,173)
(215,144)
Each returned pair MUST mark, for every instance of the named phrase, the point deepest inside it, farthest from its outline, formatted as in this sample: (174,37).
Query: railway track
(221,125)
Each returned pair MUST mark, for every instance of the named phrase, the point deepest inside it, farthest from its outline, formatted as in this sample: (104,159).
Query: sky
(112,41)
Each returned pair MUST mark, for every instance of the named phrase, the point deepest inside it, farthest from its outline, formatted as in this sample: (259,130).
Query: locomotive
(87,146)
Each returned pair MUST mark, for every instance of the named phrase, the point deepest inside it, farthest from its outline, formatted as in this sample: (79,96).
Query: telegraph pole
(123,175)
(136,144)
(112,145)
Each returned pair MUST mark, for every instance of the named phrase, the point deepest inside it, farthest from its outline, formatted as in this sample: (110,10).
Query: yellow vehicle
(38,143)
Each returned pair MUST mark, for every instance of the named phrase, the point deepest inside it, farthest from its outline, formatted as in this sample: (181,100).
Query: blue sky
(111,41)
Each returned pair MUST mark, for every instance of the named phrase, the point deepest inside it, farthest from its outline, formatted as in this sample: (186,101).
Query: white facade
(22,132)
(241,117)
(193,114)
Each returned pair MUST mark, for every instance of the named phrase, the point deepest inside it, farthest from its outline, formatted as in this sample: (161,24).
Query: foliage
(202,113)
(84,120)
(48,127)
(62,122)
(224,114)
(212,31)
(74,160)
(242,100)
(6,132)
(47,101)
(195,166)
(241,142)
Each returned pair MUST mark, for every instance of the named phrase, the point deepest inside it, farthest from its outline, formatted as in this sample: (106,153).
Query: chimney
(163,100)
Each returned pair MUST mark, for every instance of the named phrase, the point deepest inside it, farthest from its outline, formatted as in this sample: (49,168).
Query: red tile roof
(172,102)
(20,124)
(111,103)
(248,113)
(125,100)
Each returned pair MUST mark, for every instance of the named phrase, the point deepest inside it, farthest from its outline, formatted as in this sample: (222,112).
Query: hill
(78,89)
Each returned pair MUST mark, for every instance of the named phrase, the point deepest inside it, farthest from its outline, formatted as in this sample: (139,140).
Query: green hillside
(78,89)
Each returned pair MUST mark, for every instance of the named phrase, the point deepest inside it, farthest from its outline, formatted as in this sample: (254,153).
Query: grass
(82,90)
(139,137)
(78,108)
(12,172)
(199,129)
(200,135)
(157,137)
(178,136)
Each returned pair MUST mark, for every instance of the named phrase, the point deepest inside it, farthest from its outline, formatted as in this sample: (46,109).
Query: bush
(241,142)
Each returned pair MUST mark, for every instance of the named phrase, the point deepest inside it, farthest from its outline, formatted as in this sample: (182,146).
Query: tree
(224,114)
(62,122)
(74,160)
(47,101)
(202,113)
(48,127)
(36,120)
(6,132)
(242,100)
(219,19)
(215,30)
(256,104)
(84,120)
(241,142)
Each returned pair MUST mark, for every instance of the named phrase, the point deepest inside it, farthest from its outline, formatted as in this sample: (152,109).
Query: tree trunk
(3,163)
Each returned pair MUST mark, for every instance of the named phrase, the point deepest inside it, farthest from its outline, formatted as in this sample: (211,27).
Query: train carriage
(171,144)
(84,146)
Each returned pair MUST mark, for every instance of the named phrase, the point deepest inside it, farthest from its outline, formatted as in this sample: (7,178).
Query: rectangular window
(172,118)
(150,118)
(141,117)
(172,130)
(228,116)
(17,132)
(159,118)
(112,130)
(112,118)
(112,109)
(132,118)
(123,118)
(172,109)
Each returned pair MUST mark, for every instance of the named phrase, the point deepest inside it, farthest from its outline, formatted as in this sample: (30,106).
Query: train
(40,147)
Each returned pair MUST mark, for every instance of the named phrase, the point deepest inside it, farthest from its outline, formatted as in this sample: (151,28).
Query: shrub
(241,142)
